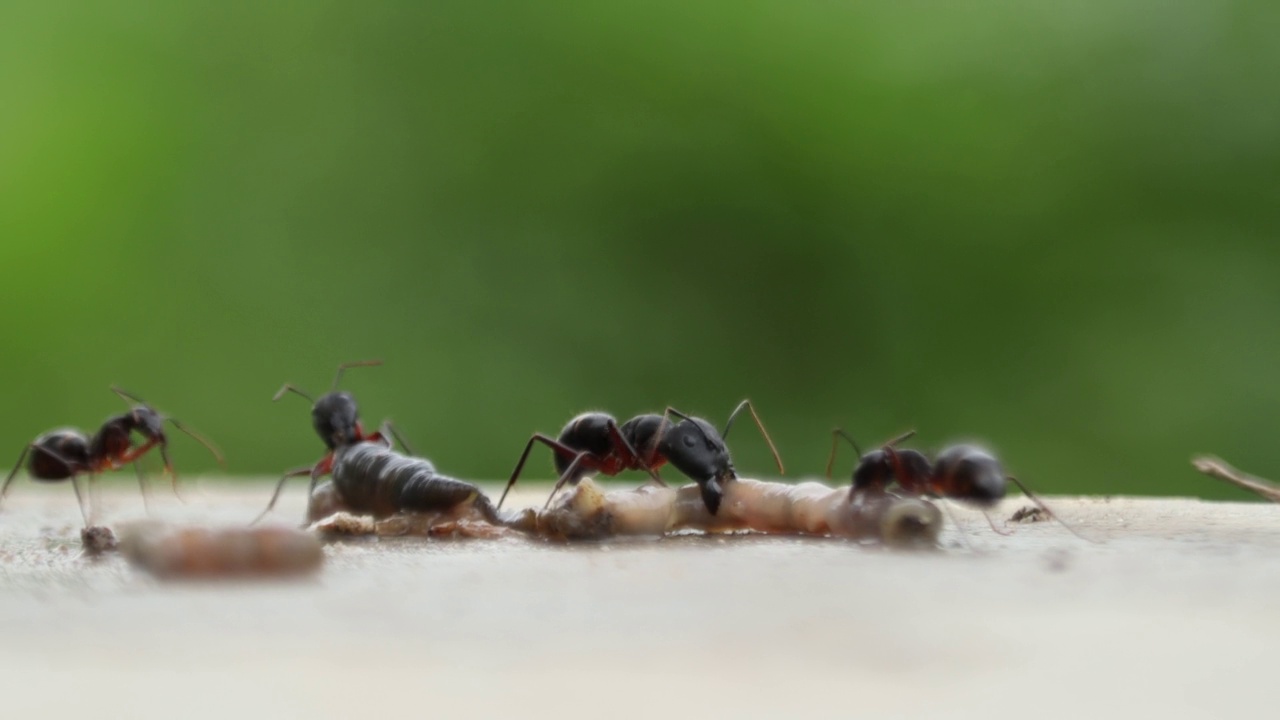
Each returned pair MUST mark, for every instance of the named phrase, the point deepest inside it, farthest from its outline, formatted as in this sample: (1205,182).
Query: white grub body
(191,552)
(434,525)
(324,501)
(329,516)
(587,511)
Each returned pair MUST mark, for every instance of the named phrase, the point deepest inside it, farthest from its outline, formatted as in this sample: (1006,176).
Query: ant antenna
(206,442)
(128,397)
(836,434)
(343,368)
(1040,504)
(287,388)
(747,404)
(901,438)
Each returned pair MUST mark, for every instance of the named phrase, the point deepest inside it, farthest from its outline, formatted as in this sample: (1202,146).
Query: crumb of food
(343,523)
(1029,514)
(98,539)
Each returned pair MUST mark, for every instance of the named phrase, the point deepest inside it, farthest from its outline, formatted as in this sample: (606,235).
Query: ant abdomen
(588,432)
(67,453)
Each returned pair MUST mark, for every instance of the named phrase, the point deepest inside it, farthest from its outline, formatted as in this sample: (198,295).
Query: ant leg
(14,472)
(95,499)
(1040,504)
(296,472)
(559,447)
(992,523)
(173,474)
(836,434)
(71,467)
(729,424)
(955,522)
(324,467)
(615,435)
(145,486)
(75,485)
(583,458)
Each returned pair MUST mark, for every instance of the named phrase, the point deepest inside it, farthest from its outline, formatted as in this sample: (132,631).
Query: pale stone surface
(1172,615)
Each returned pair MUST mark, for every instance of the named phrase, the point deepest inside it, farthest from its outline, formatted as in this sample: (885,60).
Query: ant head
(142,418)
(970,474)
(336,418)
(335,415)
(695,447)
(148,423)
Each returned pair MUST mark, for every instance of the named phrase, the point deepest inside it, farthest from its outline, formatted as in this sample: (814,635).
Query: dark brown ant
(336,419)
(67,453)
(965,473)
(594,442)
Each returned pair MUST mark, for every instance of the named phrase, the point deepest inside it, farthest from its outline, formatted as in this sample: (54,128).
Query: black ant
(964,473)
(594,442)
(336,419)
(68,452)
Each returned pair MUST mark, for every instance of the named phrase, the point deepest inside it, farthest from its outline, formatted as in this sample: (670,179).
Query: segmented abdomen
(373,479)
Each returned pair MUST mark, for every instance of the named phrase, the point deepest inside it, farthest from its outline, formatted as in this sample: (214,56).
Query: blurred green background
(1049,226)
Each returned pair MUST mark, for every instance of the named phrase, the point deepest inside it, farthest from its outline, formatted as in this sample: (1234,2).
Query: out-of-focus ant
(594,442)
(336,419)
(965,473)
(67,453)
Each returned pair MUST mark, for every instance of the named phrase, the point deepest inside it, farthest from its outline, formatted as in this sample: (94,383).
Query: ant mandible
(594,442)
(964,473)
(336,419)
(67,453)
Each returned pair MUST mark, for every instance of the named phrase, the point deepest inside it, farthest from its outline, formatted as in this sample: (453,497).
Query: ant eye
(689,441)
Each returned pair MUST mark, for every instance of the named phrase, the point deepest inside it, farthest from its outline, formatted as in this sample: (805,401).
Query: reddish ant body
(594,442)
(336,419)
(67,453)
(964,473)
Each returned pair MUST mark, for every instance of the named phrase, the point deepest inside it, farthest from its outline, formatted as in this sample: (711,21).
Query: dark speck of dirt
(98,540)
(1029,514)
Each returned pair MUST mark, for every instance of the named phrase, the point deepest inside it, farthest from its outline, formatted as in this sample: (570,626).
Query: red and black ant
(336,419)
(594,442)
(964,473)
(67,453)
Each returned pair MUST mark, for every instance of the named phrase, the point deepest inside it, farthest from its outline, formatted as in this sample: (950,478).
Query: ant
(594,442)
(336,419)
(964,473)
(68,452)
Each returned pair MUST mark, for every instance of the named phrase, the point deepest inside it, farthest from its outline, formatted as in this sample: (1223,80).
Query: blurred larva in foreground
(178,552)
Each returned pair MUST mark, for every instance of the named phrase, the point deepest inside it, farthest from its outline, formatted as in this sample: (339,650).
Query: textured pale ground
(1175,615)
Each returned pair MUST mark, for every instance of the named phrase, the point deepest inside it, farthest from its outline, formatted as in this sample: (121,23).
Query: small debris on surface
(1029,514)
(97,540)
(1057,560)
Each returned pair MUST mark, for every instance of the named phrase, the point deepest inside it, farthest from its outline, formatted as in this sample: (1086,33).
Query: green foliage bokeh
(1048,226)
